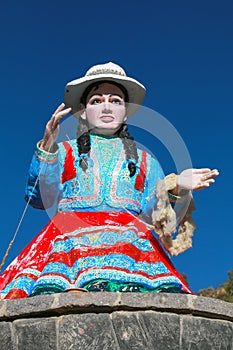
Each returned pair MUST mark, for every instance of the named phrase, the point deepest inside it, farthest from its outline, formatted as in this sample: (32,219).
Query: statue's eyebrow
(98,94)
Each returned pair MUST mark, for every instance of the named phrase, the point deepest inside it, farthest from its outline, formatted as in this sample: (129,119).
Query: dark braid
(130,148)
(83,142)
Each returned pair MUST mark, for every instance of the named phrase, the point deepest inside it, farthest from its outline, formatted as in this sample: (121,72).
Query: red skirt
(76,248)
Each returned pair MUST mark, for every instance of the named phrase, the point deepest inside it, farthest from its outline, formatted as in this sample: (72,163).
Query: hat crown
(107,68)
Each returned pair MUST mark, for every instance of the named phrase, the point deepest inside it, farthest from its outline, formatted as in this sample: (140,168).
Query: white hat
(105,72)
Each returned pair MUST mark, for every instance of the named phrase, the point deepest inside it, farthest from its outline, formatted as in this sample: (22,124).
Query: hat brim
(75,89)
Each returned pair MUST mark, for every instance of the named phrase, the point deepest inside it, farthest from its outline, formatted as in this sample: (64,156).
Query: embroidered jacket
(104,186)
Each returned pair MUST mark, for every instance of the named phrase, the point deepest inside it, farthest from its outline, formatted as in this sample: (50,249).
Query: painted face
(105,109)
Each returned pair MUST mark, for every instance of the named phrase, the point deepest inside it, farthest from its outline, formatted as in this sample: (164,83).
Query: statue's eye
(95,101)
(116,100)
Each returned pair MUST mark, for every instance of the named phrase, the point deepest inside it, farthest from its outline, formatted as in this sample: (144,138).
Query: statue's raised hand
(52,129)
(196,179)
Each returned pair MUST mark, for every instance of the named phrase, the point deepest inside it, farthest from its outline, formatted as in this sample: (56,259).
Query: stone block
(6,336)
(34,305)
(86,331)
(3,305)
(207,306)
(36,334)
(162,329)
(92,301)
(129,333)
(156,301)
(206,334)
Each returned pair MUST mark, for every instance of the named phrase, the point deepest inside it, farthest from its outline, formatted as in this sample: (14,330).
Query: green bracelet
(172,197)
(44,155)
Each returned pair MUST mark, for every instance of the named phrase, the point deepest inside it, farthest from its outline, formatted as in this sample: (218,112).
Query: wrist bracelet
(44,155)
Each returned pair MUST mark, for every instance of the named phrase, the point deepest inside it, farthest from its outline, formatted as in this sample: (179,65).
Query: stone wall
(114,321)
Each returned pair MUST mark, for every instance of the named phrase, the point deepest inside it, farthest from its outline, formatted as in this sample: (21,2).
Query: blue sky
(181,51)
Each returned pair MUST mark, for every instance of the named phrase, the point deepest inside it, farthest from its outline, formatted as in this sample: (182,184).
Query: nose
(106,106)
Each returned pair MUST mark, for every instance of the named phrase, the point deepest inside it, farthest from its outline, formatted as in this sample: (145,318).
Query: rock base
(116,321)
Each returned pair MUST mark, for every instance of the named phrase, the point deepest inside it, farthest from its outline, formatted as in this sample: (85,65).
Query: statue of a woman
(107,191)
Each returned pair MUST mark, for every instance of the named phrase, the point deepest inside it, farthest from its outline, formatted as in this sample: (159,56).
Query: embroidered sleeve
(43,185)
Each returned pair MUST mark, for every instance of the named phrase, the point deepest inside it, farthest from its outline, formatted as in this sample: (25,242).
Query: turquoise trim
(45,156)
